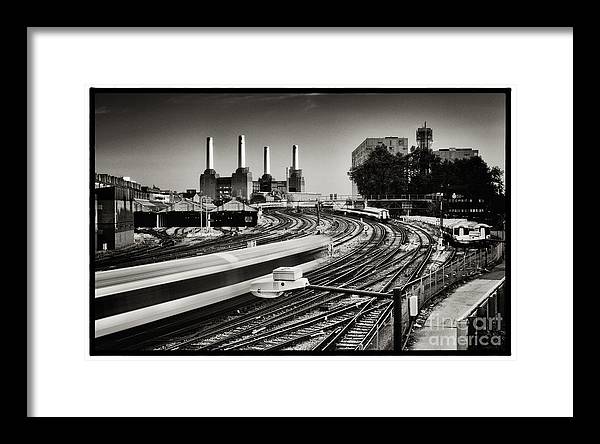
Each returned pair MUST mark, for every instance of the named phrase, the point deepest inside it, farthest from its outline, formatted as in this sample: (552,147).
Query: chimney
(295,164)
(267,160)
(242,151)
(209,153)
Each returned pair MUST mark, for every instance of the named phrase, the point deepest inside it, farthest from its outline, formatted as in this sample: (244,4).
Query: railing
(401,197)
(435,281)
(481,327)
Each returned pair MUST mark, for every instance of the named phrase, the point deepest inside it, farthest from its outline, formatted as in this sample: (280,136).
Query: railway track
(282,226)
(317,320)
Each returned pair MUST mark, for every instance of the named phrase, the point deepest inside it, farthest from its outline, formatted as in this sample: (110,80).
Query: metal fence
(482,326)
(435,281)
(432,282)
(499,234)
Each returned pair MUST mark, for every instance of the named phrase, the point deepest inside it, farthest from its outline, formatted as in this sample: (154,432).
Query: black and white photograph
(308,221)
(300,222)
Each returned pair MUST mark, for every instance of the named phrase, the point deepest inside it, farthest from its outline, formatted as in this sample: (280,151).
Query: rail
(430,284)
(480,327)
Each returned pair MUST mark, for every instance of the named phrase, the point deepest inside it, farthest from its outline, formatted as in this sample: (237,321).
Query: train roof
(364,210)
(463,223)
(448,223)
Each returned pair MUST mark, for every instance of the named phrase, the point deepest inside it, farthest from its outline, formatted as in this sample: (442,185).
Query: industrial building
(234,214)
(294,178)
(240,184)
(266,183)
(114,207)
(182,212)
(121,205)
(451,154)
(361,153)
(303,197)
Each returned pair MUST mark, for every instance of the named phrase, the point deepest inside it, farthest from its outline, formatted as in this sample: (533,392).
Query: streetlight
(290,278)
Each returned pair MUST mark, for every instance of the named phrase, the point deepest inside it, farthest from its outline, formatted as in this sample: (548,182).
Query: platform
(439,330)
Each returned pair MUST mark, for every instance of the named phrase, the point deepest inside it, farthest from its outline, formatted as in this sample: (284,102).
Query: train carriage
(378,214)
(458,232)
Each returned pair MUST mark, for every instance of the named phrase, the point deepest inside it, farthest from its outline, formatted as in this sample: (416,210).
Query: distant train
(379,214)
(458,232)
(464,233)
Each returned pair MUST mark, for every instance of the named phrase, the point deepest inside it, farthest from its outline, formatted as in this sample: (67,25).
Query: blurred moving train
(458,232)
(131,297)
(379,214)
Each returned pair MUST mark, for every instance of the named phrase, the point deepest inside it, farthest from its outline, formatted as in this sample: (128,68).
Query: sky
(160,139)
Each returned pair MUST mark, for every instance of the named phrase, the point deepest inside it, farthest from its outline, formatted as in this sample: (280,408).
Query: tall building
(452,153)
(241,180)
(295,180)
(209,179)
(266,183)
(114,206)
(361,152)
(425,137)
(238,185)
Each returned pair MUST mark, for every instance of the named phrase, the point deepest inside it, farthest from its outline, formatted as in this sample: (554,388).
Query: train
(378,214)
(465,233)
(461,233)
(128,298)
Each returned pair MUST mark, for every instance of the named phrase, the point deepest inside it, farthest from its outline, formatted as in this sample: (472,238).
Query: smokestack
(295,164)
(267,160)
(209,153)
(242,151)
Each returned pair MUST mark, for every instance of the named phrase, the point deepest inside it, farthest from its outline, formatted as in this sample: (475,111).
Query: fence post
(397,297)
(430,288)
(443,275)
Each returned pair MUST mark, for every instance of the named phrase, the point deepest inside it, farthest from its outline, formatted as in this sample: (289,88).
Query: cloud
(102,110)
(226,99)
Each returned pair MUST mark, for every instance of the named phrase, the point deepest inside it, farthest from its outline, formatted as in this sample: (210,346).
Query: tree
(423,172)
(379,174)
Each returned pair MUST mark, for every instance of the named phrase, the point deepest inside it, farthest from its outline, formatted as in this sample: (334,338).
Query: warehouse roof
(153,205)
(234,205)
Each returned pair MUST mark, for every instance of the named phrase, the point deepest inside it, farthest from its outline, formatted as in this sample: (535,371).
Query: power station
(240,184)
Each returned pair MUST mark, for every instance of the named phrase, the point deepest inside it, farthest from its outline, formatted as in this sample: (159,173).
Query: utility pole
(441,241)
(318,214)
